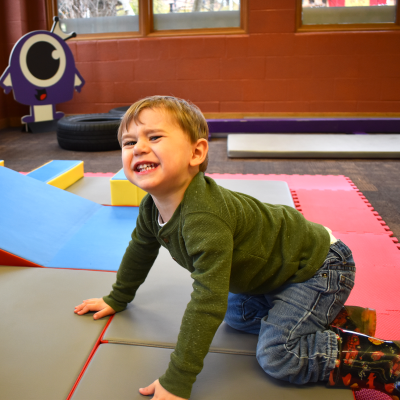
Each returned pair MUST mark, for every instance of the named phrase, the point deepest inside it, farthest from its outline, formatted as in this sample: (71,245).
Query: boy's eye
(131,143)
(154,138)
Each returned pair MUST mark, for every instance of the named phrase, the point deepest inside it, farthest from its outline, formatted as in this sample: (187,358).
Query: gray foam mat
(155,315)
(43,344)
(96,189)
(313,146)
(118,371)
(273,192)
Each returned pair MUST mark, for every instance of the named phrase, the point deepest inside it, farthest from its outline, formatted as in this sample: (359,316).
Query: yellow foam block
(125,193)
(69,177)
(1,163)
(59,173)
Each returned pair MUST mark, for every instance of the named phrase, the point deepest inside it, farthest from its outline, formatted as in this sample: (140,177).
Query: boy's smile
(157,155)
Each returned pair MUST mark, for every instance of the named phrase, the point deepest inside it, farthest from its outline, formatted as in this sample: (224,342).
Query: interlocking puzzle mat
(320,182)
(43,344)
(154,317)
(118,371)
(313,146)
(50,227)
(375,250)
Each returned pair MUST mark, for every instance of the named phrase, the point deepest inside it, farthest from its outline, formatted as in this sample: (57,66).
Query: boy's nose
(140,147)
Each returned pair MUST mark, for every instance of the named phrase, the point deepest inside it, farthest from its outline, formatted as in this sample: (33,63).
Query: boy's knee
(276,361)
(283,361)
(234,320)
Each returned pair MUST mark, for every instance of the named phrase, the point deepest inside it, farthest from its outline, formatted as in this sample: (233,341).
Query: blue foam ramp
(54,228)
(101,242)
(119,176)
(53,169)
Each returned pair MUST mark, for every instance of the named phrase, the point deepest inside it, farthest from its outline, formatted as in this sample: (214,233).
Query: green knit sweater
(228,241)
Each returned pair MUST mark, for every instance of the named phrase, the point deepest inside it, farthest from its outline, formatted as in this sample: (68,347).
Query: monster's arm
(79,81)
(5,81)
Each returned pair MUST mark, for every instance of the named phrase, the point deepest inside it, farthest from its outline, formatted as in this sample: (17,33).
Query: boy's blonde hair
(185,114)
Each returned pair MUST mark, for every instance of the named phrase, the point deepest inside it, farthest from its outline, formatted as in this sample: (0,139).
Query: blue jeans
(294,344)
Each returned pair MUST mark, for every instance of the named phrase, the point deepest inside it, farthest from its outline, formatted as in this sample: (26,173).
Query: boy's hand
(94,305)
(159,392)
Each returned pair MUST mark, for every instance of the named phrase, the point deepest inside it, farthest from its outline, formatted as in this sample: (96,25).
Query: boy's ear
(199,152)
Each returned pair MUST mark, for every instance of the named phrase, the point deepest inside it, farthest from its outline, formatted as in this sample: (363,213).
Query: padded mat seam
(89,359)
(166,346)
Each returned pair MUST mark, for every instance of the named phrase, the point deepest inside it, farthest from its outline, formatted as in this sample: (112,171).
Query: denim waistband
(341,249)
(344,253)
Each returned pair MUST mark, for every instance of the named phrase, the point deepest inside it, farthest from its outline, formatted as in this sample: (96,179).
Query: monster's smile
(41,94)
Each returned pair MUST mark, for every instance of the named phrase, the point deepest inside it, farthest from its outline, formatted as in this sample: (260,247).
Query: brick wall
(270,70)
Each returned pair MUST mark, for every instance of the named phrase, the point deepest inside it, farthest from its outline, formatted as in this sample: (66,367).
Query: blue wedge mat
(36,218)
(55,228)
(119,176)
(101,241)
(53,169)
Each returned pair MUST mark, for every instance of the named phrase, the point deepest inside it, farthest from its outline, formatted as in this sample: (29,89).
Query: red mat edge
(12,260)
(296,201)
(91,355)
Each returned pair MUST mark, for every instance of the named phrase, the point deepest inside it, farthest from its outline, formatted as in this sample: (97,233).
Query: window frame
(344,27)
(146,24)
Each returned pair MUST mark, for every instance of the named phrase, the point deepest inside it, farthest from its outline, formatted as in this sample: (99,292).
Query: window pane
(98,16)
(195,14)
(319,12)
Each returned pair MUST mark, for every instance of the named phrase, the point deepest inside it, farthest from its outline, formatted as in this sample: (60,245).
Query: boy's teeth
(145,167)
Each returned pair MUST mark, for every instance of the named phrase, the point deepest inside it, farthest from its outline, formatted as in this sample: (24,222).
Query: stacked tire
(89,132)
(119,110)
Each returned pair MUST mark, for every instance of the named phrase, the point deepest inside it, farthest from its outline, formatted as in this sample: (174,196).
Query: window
(127,18)
(347,15)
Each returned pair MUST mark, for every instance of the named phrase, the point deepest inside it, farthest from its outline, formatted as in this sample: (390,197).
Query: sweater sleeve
(211,251)
(135,266)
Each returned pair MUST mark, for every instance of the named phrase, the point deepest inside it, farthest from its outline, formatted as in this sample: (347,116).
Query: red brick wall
(272,69)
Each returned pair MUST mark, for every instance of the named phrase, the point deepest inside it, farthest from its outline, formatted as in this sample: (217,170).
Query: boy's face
(156,153)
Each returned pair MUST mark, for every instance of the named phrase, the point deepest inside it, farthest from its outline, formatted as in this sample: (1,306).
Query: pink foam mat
(317,182)
(353,220)
(99,174)
(368,394)
(371,250)
(388,325)
(344,211)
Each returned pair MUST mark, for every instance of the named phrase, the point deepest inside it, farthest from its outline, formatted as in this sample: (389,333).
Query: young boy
(262,267)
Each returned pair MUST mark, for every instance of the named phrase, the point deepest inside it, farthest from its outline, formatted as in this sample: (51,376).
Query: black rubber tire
(119,110)
(89,132)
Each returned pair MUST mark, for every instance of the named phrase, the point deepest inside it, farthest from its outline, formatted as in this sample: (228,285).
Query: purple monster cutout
(42,73)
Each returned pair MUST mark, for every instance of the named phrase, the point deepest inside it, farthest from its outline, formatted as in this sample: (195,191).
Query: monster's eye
(42,60)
